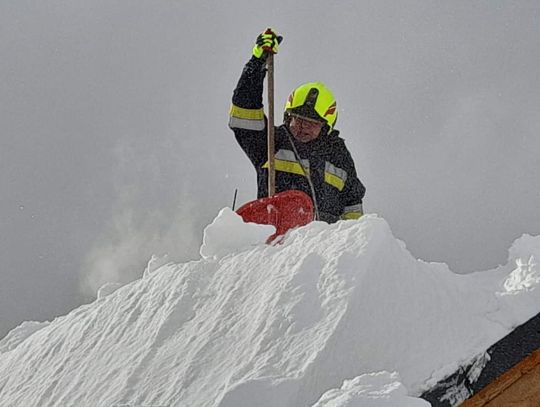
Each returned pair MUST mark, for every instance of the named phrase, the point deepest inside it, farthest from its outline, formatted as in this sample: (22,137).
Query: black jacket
(326,160)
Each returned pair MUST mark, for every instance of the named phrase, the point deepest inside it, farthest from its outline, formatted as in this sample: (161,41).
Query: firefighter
(309,154)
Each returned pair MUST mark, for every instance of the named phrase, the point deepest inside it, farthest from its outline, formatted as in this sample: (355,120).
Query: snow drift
(336,315)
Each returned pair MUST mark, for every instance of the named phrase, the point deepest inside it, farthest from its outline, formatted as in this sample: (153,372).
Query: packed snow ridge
(335,315)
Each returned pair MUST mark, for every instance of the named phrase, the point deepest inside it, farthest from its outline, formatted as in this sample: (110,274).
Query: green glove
(267,42)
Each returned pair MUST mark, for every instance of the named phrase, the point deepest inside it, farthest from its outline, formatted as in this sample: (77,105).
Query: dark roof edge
(502,356)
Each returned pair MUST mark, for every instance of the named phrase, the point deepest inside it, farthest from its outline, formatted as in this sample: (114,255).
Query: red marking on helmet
(331,109)
(291,97)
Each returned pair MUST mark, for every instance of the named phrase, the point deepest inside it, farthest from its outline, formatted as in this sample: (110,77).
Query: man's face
(304,129)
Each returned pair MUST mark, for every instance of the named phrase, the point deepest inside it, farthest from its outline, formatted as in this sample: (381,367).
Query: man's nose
(304,123)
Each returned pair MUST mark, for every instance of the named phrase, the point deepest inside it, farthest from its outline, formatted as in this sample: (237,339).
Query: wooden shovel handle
(271,159)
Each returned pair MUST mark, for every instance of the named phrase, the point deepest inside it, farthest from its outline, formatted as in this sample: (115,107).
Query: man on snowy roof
(309,154)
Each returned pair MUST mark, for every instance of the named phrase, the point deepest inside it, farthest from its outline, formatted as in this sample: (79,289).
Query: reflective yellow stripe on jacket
(285,161)
(352,212)
(335,176)
(249,119)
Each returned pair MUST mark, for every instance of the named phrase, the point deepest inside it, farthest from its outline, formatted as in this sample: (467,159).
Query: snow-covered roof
(333,316)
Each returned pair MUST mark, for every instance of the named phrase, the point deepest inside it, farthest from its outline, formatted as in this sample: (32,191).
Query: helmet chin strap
(306,173)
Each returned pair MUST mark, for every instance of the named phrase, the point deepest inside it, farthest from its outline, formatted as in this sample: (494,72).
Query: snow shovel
(284,210)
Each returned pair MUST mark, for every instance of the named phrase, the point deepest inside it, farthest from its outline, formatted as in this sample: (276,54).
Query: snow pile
(526,275)
(19,334)
(228,233)
(370,390)
(335,316)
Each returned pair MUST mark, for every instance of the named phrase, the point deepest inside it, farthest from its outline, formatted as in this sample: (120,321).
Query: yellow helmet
(315,101)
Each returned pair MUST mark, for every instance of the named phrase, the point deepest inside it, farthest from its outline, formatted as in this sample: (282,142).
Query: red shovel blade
(284,210)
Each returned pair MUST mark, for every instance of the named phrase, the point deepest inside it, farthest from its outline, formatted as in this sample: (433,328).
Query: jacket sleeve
(353,193)
(246,117)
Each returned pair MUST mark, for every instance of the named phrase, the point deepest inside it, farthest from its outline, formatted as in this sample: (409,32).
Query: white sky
(114,142)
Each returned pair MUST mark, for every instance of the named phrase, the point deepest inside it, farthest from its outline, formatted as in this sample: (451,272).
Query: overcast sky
(114,142)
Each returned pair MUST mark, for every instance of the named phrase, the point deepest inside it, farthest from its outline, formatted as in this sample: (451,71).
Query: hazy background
(114,142)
